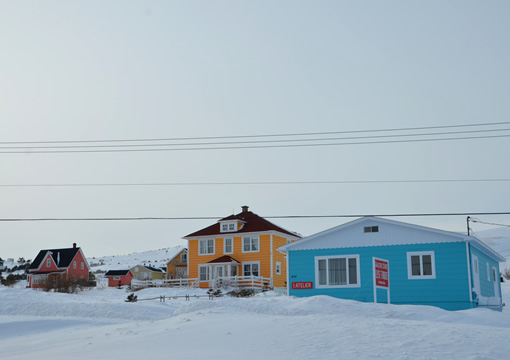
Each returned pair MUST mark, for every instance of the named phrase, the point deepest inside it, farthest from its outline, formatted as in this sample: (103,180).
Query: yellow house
(177,266)
(144,272)
(239,250)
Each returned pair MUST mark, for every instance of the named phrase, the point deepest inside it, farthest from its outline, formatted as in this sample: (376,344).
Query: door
(476,275)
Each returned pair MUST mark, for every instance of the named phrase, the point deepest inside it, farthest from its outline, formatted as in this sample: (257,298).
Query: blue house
(426,266)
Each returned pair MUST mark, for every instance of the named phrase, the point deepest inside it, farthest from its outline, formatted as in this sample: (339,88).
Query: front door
(476,275)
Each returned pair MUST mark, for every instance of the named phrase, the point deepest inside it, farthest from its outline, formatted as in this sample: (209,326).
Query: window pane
(210,246)
(415,265)
(254,244)
(247,269)
(246,244)
(255,269)
(322,272)
(231,227)
(353,273)
(427,264)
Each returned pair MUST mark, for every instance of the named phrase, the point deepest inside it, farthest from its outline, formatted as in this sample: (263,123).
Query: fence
(254,282)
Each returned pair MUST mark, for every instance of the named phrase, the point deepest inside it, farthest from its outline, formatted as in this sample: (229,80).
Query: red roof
(251,223)
(223,259)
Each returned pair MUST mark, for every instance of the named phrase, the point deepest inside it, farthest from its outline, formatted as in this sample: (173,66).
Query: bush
(242,293)
(65,286)
(506,273)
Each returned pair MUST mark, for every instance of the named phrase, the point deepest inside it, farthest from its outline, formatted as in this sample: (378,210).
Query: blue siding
(486,279)
(449,290)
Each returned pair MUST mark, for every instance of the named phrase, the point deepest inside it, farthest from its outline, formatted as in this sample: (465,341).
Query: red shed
(119,277)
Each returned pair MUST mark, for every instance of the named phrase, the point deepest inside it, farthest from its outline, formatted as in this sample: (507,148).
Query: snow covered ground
(99,324)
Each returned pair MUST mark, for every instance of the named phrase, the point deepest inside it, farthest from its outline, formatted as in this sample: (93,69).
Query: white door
(476,275)
(495,279)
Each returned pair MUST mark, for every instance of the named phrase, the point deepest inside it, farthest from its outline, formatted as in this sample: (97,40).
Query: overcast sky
(96,70)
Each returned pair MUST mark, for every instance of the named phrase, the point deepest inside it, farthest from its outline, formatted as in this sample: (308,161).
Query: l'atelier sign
(302,285)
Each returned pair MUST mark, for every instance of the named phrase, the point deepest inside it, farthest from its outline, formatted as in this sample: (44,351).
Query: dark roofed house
(239,249)
(68,264)
(117,278)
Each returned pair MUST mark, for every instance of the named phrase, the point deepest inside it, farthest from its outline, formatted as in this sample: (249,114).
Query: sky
(81,71)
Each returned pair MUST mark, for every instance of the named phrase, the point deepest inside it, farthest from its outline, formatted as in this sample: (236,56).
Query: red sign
(381,273)
(302,285)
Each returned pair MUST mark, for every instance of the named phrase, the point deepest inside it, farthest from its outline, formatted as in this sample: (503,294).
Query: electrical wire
(266,217)
(260,135)
(241,183)
(475,220)
(254,147)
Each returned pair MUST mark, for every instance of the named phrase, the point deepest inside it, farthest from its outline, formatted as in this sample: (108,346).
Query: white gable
(388,233)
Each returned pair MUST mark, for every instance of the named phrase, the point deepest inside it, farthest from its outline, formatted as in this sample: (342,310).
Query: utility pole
(467,220)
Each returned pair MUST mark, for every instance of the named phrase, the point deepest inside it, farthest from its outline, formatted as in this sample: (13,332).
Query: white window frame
(278,268)
(82,265)
(48,262)
(207,247)
(251,239)
(184,257)
(207,272)
(116,278)
(228,227)
(251,263)
(74,264)
(410,275)
(488,273)
(346,257)
(231,246)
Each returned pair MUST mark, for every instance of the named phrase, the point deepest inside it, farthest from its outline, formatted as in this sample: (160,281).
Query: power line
(241,183)
(251,142)
(267,217)
(488,223)
(255,146)
(260,135)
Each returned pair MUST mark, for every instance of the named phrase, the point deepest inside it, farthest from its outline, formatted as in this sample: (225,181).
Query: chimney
(245,208)
(74,245)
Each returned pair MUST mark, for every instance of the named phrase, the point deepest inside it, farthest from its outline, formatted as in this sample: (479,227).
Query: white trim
(469,273)
(208,272)
(278,265)
(251,238)
(410,275)
(251,269)
(271,256)
(288,274)
(240,233)
(347,257)
(207,246)
(476,276)
(488,272)
(225,245)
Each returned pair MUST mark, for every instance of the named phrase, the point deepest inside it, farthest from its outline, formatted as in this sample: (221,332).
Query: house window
(250,244)
(421,265)
(74,264)
(228,246)
(227,227)
(206,247)
(116,278)
(494,277)
(337,271)
(82,265)
(371,229)
(48,262)
(203,272)
(278,268)
(251,268)
(184,257)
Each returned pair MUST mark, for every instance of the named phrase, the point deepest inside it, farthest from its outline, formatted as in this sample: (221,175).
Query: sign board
(302,285)
(381,268)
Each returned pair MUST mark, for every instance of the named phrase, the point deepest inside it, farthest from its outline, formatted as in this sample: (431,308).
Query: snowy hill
(499,240)
(155,258)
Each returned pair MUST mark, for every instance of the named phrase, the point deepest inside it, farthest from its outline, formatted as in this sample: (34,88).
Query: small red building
(58,264)
(119,277)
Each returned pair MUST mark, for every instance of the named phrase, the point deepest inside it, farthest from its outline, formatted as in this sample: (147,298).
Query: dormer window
(229,227)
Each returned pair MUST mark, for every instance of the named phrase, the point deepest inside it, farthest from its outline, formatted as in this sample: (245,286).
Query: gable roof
(223,259)
(251,223)
(61,257)
(116,273)
(390,233)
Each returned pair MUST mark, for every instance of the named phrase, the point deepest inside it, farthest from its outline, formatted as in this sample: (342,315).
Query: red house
(58,264)
(119,277)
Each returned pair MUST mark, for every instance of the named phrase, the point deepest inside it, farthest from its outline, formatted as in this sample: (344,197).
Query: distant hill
(155,258)
(499,240)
